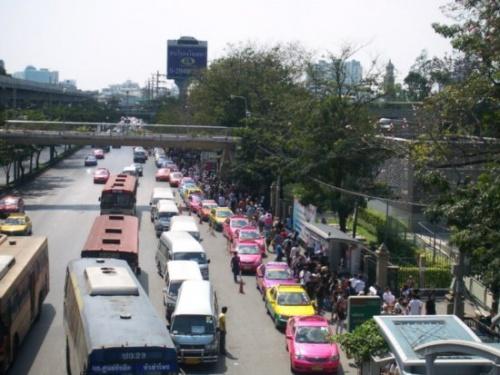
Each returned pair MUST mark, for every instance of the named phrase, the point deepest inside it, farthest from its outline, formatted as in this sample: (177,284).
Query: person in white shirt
(415,305)
(359,286)
(388,297)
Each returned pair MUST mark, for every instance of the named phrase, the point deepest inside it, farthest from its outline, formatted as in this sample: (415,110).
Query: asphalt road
(63,204)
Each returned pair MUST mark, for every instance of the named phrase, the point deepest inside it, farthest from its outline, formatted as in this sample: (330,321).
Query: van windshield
(193,325)
(201,258)
(165,215)
(173,288)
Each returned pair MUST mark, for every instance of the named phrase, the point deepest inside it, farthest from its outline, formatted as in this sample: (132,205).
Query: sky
(102,42)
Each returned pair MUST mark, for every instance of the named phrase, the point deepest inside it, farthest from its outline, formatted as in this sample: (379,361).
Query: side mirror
(288,336)
(99,199)
(208,261)
(227,221)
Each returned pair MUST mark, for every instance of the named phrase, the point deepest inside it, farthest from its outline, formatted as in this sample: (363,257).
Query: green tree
(458,118)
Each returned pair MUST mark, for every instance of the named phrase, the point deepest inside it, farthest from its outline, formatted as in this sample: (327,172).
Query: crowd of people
(310,266)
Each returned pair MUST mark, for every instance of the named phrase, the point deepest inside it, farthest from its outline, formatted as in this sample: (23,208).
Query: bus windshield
(193,325)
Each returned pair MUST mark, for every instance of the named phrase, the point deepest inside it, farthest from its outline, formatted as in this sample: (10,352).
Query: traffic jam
(195,332)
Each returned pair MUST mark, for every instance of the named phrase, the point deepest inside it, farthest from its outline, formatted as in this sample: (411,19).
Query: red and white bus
(119,195)
(114,236)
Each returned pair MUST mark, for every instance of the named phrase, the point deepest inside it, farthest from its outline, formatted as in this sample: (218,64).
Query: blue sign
(184,60)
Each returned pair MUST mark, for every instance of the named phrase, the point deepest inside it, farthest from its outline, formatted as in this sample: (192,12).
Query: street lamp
(247,113)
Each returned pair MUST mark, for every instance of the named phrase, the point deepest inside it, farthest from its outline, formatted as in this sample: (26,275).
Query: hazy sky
(98,42)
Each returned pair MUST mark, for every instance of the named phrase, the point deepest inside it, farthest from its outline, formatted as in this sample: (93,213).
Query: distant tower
(389,81)
(2,68)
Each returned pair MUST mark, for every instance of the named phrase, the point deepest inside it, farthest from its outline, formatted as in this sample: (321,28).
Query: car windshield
(193,325)
(249,235)
(278,275)
(223,213)
(177,175)
(197,257)
(238,223)
(165,215)
(293,299)
(313,335)
(14,221)
(173,288)
(248,249)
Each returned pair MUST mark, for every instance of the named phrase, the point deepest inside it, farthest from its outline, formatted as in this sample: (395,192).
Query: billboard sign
(360,309)
(302,214)
(185,56)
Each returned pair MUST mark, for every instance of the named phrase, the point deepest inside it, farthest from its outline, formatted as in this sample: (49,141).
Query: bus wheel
(68,366)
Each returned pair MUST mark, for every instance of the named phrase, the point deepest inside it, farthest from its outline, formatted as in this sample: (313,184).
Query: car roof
(183,270)
(313,320)
(249,228)
(182,242)
(206,201)
(223,209)
(194,290)
(247,243)
(289,288)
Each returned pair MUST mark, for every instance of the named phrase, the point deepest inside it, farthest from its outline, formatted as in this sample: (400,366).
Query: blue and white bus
(111,326)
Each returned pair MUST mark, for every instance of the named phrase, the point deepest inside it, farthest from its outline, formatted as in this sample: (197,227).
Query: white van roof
(183,223)
(183,270)
(181,242)
(195,298)
(163,193)
(167,205)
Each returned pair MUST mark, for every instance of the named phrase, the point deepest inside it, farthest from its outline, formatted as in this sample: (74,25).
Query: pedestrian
(235,266)
(341,312)
(222,330)
(279,253)
(430,305)
(415,305)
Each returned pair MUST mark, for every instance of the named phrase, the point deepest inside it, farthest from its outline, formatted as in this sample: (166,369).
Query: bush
(363,342)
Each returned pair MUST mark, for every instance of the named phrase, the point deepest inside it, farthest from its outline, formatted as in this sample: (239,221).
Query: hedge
(434,277)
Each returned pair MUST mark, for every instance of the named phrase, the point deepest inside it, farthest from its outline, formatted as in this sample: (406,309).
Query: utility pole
(157,82)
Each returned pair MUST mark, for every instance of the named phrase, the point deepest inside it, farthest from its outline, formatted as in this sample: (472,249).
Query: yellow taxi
(18,224)
(285,301)
(218,216)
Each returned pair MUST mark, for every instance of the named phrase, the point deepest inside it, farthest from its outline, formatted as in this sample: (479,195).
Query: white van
(193,325)
(184,223)
(180,246)
(178,271)
(160,193)
(163,213)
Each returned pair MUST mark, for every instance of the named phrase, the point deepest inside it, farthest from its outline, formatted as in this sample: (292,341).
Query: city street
(63,203)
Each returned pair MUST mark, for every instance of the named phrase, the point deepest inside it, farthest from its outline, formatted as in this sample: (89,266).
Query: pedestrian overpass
(194,137)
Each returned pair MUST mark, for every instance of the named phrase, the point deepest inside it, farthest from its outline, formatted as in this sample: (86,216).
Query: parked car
(191,191)
(90,160)
(271,274)
(106,148)
(251,233)
(99,153)
(175,179)
(286,301)
(10,204)
(218,216)
(250,255)
(232,224)
(162,174)
(309,343)
(187,179)
(206,206)
(17,224)
(101,175)
(131,171)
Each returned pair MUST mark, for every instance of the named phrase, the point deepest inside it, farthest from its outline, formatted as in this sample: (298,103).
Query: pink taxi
(232,224)
(250,256)
(273,273)
(309,342)
(251,233)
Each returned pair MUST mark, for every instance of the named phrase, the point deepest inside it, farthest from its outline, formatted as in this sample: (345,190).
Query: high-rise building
(348,73)
(43,75)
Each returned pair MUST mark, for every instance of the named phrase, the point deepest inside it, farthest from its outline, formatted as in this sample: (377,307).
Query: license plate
(317,368)
(191,361)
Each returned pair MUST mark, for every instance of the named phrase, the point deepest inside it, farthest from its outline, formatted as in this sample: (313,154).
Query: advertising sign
(185,57)
(360,309)
(302,214)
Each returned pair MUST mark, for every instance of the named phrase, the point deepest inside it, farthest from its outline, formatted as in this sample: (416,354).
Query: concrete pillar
(429,364)
(382,264)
